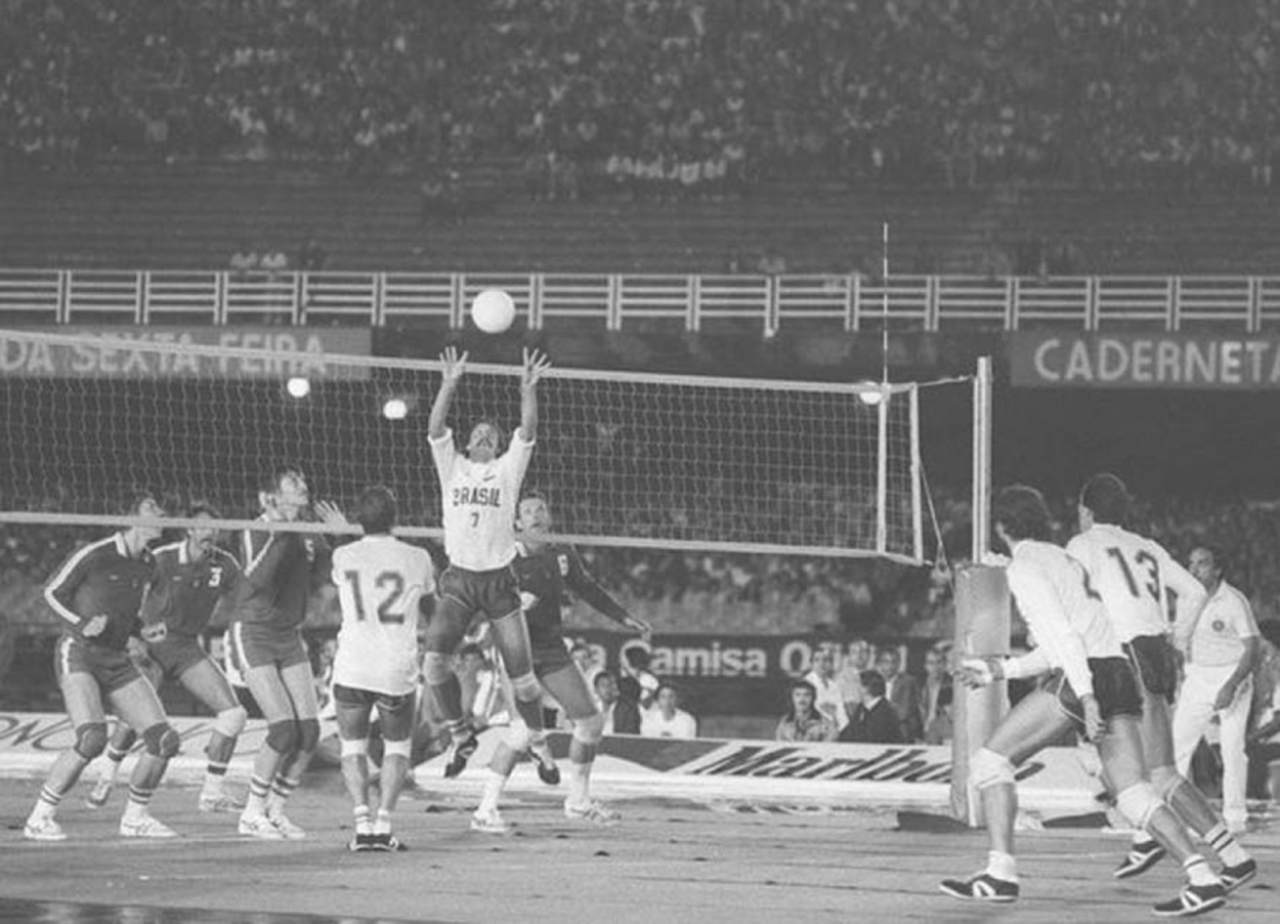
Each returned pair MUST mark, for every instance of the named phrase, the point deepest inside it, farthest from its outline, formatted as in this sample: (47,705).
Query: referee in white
(1221,653)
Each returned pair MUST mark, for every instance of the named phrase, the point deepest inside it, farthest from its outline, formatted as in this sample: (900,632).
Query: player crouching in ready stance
(1097,694)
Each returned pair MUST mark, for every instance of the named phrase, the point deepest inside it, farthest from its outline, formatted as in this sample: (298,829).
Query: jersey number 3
(391,585)
(1144,560)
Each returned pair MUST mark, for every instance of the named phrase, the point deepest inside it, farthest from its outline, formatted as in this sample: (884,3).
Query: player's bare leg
(1031,725)
(121,742)
(397,745)
(353,735)
(511,635)
(300,687)
(81,694)
(1187,802)
(1121,749)
(569,688)
(444,631)
(209,685)
(138,704)
(269,691)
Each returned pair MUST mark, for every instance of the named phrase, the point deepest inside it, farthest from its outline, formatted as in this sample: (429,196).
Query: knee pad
(527,688)
(402,748)
(91,739)
(517,737)
(590,730)
(435,668)
(282,737)
(230,722)
(987,768)
(161,740)
(308,734)
(1138,803)
(354,748)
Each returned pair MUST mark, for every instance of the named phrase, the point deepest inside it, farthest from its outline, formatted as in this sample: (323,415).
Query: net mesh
(626,459)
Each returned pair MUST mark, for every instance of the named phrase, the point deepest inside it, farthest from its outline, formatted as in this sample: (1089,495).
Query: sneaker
(387,843)
(101,793)
(1233,877)
(288,830)
(490,822)
(220,802)
(43,829)
(260,826)
(361,843)
(548,772)
(983,887)
(1192,900)
(596,813)
(145,825)
(1142,856)
(459,753)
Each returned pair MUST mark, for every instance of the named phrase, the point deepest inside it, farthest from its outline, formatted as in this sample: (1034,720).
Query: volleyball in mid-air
(493,311)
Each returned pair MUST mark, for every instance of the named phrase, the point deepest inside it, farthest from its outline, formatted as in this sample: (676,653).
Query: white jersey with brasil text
(380,583)
(480,502)
(1065,617)
(1134,575)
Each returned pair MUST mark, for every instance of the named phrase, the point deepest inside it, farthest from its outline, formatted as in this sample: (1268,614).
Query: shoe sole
(1211,905)
(273,835)
(48,838)
(1128,872)
(152,836)
(966,896)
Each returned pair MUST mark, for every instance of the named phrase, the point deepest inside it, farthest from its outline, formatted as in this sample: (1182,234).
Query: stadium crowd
(670,96)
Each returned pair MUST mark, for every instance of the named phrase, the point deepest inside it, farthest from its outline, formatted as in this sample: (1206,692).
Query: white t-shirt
(380,582)
(479,500)
(1134,575)
(829,699)
(1225,622)
(681,725)
(1068,623)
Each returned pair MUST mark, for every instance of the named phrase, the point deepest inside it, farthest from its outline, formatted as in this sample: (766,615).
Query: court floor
(669,861)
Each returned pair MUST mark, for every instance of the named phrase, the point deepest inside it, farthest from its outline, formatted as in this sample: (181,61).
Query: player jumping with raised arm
(270,608)
(545,571)
(479,492)
(191,577)
(1098,695)
(97,593)
(382,584)
(1134,575)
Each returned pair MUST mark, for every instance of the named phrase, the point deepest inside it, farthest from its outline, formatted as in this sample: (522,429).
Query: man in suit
(875,720)
(935,697)
(902,691)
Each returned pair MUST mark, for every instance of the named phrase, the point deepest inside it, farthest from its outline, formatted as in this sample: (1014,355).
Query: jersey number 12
(391,583)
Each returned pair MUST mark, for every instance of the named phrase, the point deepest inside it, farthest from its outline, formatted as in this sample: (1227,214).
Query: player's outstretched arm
(584,584)
(454,365)
(536,365)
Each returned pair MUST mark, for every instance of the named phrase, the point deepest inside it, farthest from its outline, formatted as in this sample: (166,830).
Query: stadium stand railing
(931,303)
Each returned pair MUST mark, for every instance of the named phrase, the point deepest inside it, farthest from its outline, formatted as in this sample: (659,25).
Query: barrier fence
(931,303)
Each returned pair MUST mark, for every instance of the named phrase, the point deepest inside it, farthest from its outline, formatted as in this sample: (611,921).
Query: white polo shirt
(1225,622)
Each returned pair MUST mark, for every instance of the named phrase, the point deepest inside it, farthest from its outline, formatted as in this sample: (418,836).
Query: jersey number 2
(392,585)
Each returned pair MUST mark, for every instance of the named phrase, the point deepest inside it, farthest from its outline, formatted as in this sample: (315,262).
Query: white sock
(361,813)
(213,784)
(579,783)
(1198,871)
(493,785)
(1002,866)
(133,811)
(382,824)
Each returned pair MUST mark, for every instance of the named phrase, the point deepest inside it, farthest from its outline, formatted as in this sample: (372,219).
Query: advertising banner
(1057,359)
(302,352)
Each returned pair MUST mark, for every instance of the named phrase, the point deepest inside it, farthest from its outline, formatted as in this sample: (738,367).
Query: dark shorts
(176,653)
(112,668)
(1114,685)
(395,713)
(466,594)
(262,646)
(1156,662)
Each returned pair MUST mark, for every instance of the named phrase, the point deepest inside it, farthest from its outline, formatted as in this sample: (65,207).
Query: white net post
(983,615)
